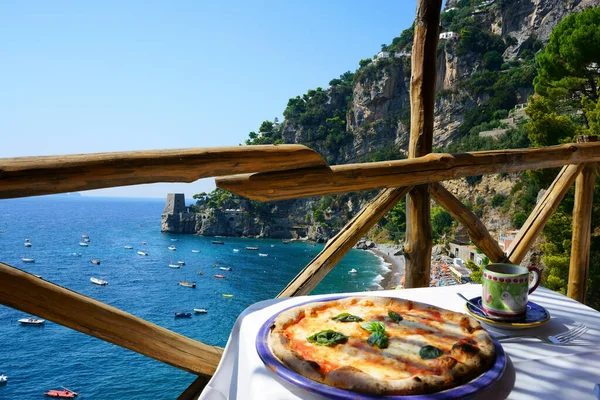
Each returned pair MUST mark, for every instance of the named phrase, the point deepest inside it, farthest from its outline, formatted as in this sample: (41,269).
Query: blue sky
(82,77)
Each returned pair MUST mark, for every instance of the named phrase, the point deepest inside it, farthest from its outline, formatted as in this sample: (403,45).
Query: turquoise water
(40,358)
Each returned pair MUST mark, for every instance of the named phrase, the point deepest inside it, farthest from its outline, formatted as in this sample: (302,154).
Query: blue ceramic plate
(482,382)
(536,316)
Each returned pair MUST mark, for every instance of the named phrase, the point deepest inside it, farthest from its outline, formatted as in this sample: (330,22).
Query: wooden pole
(582,221)
(30,294)
(477,231)
(338,246)
(542,212)
(435,167)
(417,248)
(34,176)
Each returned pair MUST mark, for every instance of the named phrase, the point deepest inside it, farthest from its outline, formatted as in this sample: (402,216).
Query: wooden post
(417,249)
(477,231)
(541,213)
(346,238)
(582,219)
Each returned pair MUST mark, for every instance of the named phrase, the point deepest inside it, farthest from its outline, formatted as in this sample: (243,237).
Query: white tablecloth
(535,370)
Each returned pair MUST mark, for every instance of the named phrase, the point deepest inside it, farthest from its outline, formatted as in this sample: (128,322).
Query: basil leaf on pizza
(373,326)
(451,356)
(347,317)
(328,338)
(379,339)
(394,316)
(429,352)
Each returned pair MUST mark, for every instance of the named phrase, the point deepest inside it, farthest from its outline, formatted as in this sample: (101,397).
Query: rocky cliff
(484,70)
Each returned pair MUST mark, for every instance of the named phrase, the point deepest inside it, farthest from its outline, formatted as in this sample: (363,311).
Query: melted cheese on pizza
(399,360)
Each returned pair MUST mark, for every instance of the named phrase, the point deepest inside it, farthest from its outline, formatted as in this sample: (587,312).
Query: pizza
(381,346)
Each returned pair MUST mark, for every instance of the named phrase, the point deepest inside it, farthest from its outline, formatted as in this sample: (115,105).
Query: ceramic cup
(505,290)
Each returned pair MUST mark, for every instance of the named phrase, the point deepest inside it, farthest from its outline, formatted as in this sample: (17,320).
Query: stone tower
(175,203)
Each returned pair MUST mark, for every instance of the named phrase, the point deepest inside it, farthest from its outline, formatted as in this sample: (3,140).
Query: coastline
(396,264)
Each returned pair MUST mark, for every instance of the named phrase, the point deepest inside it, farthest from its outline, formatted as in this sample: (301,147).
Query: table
(535,370)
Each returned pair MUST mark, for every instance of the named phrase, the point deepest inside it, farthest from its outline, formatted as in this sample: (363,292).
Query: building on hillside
(466,252)
(450,9)
(381,55)
(400,54)
(175,204)
(449,35)
(506,238)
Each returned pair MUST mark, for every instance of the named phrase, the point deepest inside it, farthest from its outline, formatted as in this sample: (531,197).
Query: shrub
(497,200)
(519,219)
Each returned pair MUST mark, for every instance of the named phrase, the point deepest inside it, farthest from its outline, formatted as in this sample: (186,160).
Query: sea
(37,359)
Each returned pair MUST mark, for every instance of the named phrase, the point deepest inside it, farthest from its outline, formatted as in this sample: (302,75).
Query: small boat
(172,248)
(3,379)
(75,255)
(217,242)
(225,268)
(236,250)
(181,262)
(83,244)
(200,310)
(142,253)
(195,251)
(227,295)
(219,276)
(65,393)
(98,281)
(200,272)
(128,247)
(263,254)
(251,248)
(174,266)
(183,315)
(97,262)
(27,244)
(32,321)
(26,239)
(83,235)
(27,260)
(144,243)
(285,241)
(174,240)
(352,271)
(86,240)
(187,284)
(272,245)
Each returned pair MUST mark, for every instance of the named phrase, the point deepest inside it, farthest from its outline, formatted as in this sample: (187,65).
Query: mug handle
(536,281)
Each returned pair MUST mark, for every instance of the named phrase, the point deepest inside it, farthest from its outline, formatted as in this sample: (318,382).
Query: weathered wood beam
(33,176)
(36,296)
(419,238)
(284,185)
(580,244)
(339,245)
(193,391)
(542,212)
(477,231)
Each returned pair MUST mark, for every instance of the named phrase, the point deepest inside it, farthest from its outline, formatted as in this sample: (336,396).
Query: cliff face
(367,118)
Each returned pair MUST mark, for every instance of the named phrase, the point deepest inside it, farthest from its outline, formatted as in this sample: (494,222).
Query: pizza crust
(469,357)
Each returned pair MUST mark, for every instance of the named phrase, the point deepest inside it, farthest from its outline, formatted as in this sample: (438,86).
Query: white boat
(225,268)
(236,250)
(173,248)
(27,260)
(27,239)
(98,281)
(128,247)
(143,253)
(174,266)
(86,240)
(27,244)
(3,379)
(174,240)
(262,254)
(272,245)
(83,244)
(181,262)
(32,321)
(83,235)
(200,310)
(195,251)
(76,254)
(352,271)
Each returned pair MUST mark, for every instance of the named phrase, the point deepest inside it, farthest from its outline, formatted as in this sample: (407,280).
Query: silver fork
(562,338)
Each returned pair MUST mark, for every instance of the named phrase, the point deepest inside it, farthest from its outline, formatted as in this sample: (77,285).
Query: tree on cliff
(567,104)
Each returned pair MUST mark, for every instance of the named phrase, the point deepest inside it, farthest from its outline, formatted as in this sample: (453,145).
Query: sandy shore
(393,277)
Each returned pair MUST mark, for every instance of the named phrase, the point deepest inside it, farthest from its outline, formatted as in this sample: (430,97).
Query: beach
(395,263)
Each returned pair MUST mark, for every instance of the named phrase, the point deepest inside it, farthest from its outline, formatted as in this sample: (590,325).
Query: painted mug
(505,290)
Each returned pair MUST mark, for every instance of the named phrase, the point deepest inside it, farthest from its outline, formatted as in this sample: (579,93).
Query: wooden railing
(281,172)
